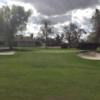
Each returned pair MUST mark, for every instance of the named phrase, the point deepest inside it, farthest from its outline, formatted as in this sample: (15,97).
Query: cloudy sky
(60,12)
(51,7)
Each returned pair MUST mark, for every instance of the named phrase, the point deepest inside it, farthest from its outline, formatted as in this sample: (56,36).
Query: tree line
(72,33)
(15,19)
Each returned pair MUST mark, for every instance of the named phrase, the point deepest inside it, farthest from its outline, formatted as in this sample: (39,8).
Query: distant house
(24,41)
(20,41)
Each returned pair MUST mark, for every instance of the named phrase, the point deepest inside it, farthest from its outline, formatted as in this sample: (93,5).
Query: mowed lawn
(52,74)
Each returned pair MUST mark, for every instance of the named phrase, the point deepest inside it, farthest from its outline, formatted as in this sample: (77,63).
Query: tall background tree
(73,34)
(46,29)
(94,37)
(13,20)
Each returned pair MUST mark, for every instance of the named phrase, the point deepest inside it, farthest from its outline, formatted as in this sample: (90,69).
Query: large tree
(46,29)
(94,37)
(13,20)
(73,34)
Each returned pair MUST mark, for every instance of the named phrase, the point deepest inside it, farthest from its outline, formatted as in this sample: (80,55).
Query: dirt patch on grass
(60,98)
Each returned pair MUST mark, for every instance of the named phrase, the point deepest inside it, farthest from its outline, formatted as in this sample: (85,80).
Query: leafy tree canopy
(13,20)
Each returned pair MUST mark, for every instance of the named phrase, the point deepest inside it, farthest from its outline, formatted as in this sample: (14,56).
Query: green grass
(39,75)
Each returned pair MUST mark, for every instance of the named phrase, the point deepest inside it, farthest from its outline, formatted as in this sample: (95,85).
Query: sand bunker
(7,53)
(91,55)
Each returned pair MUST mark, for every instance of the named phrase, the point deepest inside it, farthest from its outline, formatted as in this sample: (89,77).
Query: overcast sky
(51,7)
(60,12)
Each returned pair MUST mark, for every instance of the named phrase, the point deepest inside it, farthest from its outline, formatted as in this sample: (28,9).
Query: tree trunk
(10,45)
(46,39)
(10,40)
(10,48)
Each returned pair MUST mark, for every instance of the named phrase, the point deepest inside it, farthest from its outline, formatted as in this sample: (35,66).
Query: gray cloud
(60,18)
(62,11)
(53,7)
